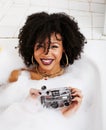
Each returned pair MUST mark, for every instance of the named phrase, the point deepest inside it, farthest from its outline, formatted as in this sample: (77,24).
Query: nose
(47,51)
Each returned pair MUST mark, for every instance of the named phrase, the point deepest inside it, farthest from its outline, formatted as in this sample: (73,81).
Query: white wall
(89,14)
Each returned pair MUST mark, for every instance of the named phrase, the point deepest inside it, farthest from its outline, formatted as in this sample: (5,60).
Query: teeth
(46,61)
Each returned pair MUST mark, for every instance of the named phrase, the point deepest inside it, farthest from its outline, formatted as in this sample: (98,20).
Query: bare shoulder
(15,74)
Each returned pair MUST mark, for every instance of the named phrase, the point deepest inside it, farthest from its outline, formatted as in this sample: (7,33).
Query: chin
(47,67)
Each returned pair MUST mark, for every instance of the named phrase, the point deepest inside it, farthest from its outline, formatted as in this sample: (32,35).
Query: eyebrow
(55,42)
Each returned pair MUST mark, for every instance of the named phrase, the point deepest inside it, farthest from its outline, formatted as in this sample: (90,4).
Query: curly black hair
(42,25)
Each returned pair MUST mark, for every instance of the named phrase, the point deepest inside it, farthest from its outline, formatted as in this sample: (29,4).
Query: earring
(32,60)
(67,61)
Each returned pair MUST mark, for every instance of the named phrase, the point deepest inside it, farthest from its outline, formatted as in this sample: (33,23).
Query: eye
(39,46)
(54,46)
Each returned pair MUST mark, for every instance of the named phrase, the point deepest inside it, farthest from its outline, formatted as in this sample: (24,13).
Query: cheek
(36,55)
(58,55)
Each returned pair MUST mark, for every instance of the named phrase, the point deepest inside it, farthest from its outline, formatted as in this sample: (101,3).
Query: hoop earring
(32,60)
(67,61)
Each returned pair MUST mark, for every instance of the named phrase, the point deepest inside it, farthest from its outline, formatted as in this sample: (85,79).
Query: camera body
(56,98)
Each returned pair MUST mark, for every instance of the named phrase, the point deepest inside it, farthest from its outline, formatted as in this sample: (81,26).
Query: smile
(46,61)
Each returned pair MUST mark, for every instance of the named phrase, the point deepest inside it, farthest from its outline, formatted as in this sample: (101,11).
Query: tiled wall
(88,13)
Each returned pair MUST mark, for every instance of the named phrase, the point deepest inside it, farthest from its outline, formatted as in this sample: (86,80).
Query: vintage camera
(55,98)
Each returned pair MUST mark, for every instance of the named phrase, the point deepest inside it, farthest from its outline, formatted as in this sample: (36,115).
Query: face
(49,62)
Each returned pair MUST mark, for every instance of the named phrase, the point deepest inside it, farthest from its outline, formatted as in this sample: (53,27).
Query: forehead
(54,38)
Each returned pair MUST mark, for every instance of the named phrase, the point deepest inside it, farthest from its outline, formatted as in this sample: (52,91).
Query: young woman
(49,44)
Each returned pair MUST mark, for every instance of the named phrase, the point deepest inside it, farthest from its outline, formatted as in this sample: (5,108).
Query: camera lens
(66,103)
(54,105)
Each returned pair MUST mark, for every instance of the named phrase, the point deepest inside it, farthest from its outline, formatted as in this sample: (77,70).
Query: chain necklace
(46,76)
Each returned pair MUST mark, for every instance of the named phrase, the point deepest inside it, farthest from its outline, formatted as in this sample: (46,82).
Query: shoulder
(15,74)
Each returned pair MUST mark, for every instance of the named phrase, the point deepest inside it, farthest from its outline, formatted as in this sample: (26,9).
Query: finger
(73,90)
(34,92)
(77,94)
(77,99)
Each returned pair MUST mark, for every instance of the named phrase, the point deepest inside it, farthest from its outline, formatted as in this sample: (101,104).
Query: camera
(55,98)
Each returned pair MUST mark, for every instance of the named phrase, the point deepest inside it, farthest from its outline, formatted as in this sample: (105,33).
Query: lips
(46,61)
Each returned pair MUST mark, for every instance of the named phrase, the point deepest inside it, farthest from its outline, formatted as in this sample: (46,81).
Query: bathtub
(94,51)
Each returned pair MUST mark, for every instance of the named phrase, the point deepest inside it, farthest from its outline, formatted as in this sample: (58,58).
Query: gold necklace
(46,76)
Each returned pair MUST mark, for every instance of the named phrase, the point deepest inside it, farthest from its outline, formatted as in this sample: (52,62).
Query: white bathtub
(94,50)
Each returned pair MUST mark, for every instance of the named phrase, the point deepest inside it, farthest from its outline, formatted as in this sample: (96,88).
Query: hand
(75,104)
(34,93)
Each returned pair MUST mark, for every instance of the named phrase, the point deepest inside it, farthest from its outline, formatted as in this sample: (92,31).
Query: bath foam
(21,112)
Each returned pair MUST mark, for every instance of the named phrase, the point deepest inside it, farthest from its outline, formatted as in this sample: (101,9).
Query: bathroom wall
(90,14)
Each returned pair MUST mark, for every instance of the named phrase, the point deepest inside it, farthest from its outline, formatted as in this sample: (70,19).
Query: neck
(49,74)
(51,71)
